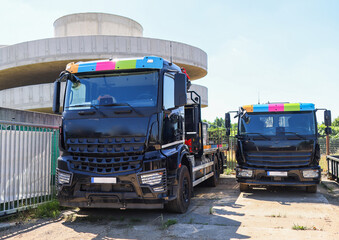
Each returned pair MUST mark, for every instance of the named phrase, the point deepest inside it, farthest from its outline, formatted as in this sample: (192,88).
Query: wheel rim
(185,190)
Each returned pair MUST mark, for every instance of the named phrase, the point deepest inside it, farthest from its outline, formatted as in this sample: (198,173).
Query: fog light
(159,189)
(311,173)
(245,173)
(63,177)
(151,178)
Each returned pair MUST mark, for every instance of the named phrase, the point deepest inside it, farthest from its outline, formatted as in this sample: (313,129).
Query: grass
(228,171)
(50,209)
(168,223)
(298,227)
(323,163)
(276,216)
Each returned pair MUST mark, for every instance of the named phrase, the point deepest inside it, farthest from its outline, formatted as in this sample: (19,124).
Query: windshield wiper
(87,105)
(298,135)
(83,105)
(257,134)
(121,104)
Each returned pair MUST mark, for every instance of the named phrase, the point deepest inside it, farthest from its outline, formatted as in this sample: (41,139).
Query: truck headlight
(311,173)
(152,178)
(245,173)
(63,177)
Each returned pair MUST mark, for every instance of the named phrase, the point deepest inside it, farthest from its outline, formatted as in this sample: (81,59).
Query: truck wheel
(183,200)
(311,189)
(244,187)
(213,181)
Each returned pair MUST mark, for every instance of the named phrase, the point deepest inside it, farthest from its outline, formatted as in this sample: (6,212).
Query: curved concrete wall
(84,24)
(41,61)
(202,91)
(40,97)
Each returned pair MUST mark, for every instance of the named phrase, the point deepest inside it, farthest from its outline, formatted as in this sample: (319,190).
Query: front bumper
(129,191)
(294,177)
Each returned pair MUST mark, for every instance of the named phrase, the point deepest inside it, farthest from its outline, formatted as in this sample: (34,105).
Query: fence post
(327,144)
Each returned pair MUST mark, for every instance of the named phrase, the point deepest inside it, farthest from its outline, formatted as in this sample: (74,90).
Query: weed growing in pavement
(276,216)
(168,223)
(228,171)
(191,221)
(298,227)
(50,209)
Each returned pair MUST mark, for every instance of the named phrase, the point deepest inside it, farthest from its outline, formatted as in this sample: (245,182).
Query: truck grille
(106,165)
(106,155)
(278,159)
(119,145)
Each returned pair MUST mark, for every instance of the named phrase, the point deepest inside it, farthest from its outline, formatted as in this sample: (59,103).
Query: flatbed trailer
(333,167)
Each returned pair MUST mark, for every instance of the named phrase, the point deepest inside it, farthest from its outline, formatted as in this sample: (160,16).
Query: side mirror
(56,97)
(180,89)
(328,130)
(228,132)
(246,118)
(227,120)
(327,118)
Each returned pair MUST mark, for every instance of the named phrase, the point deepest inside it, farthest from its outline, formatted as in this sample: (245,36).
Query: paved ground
(215,213)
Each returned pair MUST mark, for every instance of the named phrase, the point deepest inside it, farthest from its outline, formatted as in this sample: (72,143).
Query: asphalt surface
(215,213)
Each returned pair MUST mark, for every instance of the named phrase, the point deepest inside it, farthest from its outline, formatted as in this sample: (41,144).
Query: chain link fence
(334,145)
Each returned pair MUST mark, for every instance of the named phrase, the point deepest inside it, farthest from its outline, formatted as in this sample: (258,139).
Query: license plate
(103,180)
(276,174)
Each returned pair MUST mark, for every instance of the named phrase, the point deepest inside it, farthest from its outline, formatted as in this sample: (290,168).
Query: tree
(335,128)
(336,122)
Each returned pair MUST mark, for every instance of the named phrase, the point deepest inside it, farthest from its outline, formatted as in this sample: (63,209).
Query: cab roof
(279,107)
(148,62)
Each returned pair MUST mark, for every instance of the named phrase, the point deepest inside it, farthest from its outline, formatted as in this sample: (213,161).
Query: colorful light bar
(109,65)
(279,107)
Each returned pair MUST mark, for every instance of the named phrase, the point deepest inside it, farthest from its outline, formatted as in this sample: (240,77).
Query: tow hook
(124,205)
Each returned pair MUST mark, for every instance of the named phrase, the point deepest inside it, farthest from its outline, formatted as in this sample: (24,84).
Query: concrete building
(28,69)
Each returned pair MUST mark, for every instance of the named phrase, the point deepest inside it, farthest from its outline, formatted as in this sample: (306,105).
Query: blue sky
(282,51)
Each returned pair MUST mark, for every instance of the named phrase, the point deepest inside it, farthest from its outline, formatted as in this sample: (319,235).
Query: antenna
(171,53)
(258,97)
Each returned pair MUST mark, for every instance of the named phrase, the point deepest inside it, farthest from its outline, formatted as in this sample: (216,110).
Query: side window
(77,94)
(168,92)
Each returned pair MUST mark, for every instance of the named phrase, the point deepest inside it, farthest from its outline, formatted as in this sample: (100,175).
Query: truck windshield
(298,124)
(118,89)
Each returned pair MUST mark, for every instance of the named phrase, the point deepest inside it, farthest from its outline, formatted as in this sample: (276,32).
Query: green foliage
(219,124)
(335,130)
(336,122)
(168,223)
(299,227)
(48,210)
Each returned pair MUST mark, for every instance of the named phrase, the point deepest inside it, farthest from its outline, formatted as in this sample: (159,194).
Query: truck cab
(277,144)
(123,132)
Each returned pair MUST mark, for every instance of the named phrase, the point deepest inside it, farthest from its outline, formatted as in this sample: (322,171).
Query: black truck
(128,138)
(277,144)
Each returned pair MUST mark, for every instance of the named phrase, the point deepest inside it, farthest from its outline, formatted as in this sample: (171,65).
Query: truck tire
(311,189)
(183,200)
(213,181)
(243,187)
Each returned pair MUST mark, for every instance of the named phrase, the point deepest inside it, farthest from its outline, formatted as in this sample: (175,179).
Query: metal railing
(28,154)
(333,167)
(218,136)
